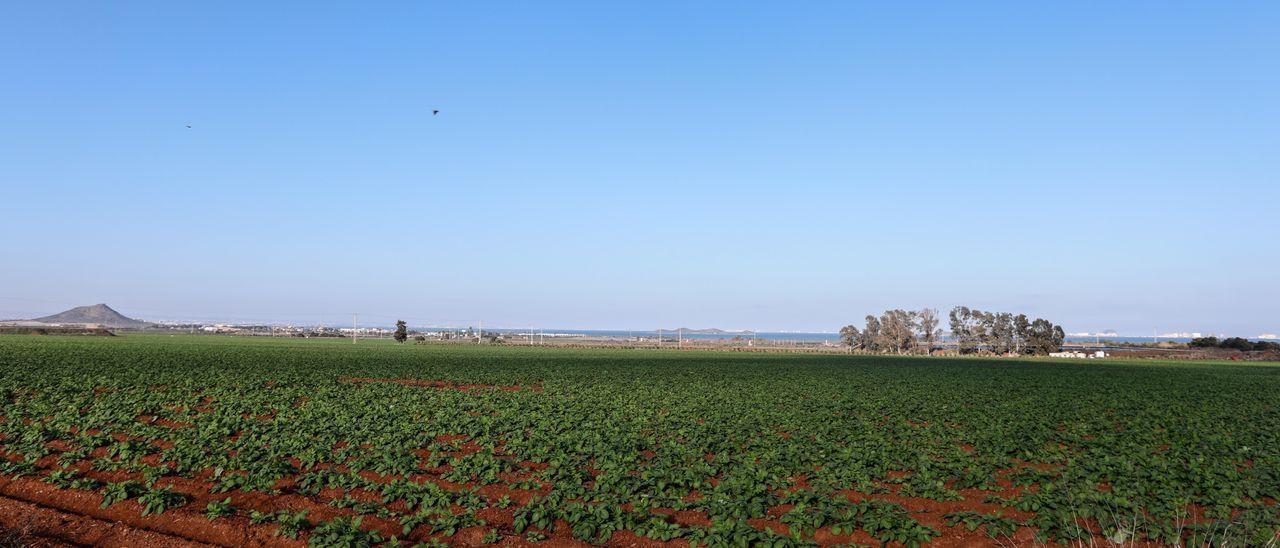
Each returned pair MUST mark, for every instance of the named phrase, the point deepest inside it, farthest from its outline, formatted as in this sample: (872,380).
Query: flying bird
(435,112)
(188,126)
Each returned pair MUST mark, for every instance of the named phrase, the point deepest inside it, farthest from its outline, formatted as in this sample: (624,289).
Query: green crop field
(286,441)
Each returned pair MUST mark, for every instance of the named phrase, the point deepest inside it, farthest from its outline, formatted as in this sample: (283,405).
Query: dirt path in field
(76,517)
(32,525)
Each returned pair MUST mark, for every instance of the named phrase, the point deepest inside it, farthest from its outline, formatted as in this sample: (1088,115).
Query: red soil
(32,525)
(172,528)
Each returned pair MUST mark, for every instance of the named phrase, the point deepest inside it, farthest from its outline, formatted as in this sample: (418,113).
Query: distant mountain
(98,314)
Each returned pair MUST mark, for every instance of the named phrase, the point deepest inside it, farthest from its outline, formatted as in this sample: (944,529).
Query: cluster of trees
(896,331)
(1234,343)
(902,331)
(1003,332)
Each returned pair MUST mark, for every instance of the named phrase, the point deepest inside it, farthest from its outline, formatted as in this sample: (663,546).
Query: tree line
(896,331)
(906,331)
(1234,343)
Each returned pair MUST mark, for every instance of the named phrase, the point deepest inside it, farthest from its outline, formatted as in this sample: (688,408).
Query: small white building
(1078,355)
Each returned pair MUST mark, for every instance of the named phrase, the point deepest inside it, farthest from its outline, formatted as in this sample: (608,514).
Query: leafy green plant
(291,523)
(342,532)
(18,469)
(158,499)
(119,491)
(995,525)
(219,509)
(71,479)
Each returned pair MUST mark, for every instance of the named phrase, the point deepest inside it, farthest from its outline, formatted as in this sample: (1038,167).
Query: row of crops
(329,443)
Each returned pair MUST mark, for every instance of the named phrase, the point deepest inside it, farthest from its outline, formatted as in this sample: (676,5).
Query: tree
(402,331)
(850,336)
(871,334)
(1002,333)
(929,332)
(1043,337)
(964,329)
(1021,328)
(984,329)
(1204,342)
(1236,343)
(897,330)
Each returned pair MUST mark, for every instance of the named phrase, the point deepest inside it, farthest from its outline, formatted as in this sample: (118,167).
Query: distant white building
(1078,355)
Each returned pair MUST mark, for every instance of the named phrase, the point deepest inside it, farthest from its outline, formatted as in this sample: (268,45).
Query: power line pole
(353,327)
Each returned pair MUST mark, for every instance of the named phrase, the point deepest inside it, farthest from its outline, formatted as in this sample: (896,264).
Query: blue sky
(648,164)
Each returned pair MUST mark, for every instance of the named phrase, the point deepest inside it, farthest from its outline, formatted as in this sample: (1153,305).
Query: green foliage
(995,525)
(291,523)
(119,491)
(18,468)
(219,509)
(158,499)
(71,479)
(1234,343)
(885,521)
(342,533)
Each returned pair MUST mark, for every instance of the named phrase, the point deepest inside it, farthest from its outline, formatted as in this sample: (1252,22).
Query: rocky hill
(98,314)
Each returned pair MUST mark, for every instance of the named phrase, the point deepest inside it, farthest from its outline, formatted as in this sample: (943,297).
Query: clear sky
(794,165)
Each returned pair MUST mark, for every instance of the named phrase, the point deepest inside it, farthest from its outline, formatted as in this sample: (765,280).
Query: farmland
(236,441)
